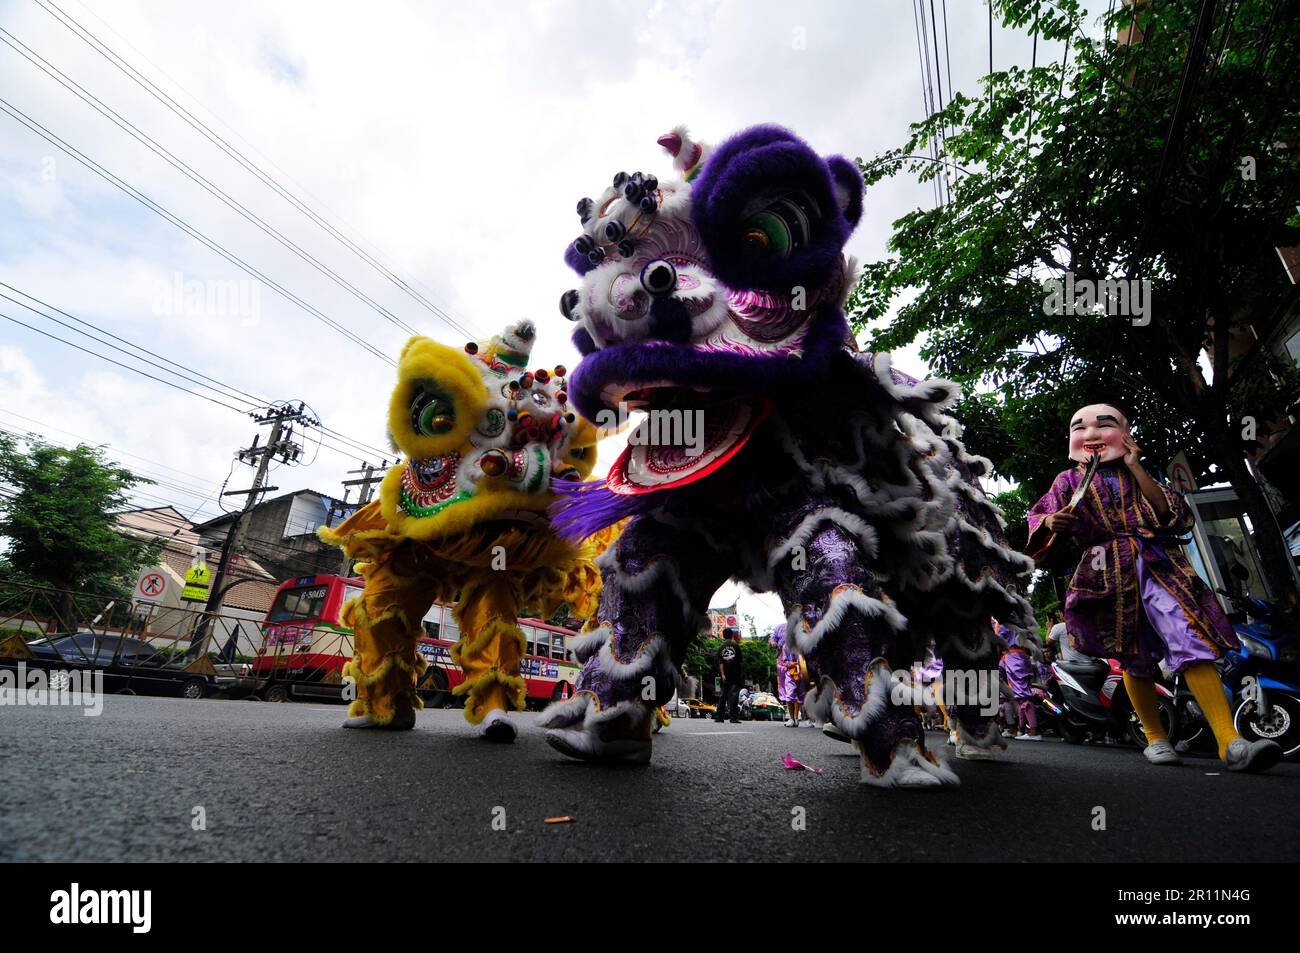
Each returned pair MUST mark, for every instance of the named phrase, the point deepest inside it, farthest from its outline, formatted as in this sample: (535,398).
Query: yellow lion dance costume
(463,519)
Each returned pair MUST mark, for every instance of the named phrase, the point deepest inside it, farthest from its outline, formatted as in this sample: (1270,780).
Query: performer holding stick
(1134,596)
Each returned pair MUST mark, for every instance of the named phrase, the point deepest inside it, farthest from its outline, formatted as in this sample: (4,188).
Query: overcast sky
(451,140)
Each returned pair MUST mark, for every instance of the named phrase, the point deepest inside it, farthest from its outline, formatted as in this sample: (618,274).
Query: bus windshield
(303,603)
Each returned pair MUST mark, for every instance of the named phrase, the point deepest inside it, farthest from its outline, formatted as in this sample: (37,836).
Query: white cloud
(455,137)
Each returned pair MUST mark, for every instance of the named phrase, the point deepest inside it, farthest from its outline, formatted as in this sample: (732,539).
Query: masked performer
(773,452)
(1134,596)
(464,518)
(1018,666)
(789,675)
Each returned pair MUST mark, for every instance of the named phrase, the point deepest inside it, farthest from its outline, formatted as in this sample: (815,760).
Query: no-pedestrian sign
(1180,475)
(151,586)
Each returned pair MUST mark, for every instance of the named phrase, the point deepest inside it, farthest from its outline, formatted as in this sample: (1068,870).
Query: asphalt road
(286,783)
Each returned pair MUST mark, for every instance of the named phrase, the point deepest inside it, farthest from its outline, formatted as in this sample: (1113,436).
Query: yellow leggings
(386,624)
(1203,680)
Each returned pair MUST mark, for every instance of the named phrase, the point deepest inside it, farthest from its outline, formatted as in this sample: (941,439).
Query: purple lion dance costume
(813,470)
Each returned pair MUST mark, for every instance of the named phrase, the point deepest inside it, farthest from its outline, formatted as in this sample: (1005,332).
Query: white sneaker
(830,731)
(495,727)
(587,745)
(790,723)
(1031,737)
(970,752)
(399,723)
(1020,737)
(1161,752)
(1252,756)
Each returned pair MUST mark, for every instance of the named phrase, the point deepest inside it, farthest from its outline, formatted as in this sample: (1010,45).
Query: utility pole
(280,445)
(366,482)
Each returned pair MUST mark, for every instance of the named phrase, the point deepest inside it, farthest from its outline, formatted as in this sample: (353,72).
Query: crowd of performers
(817,471)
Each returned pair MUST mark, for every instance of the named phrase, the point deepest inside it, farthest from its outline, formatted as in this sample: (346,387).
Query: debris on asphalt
(792,765)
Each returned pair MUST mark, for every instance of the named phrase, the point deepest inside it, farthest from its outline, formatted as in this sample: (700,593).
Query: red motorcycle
(1094,700)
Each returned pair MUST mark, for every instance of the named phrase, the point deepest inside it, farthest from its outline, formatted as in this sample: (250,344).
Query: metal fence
(67,623)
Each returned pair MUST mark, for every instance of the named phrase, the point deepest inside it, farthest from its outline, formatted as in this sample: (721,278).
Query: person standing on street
(729,669)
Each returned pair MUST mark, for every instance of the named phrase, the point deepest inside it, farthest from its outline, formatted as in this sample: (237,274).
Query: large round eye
(431,413)
(777,225)
(540,398)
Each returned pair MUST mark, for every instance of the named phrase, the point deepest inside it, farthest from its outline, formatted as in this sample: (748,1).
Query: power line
(153,206)
(252,400)
(198,178)
(88,440)
(216,139)
(110,360)
(120,350)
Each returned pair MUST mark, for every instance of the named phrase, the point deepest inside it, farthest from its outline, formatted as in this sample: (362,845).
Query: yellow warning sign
(196,583)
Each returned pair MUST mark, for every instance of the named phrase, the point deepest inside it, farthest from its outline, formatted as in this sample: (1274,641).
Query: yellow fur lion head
(482,437)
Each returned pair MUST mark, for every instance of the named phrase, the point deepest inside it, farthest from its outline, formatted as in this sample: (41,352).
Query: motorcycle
(1263,676)
(1093,699)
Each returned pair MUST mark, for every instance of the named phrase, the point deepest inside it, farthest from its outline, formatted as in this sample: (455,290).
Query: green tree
(1122,160)
(56,519)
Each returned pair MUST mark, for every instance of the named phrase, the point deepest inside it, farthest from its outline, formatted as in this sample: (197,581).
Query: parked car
(128,665)
(699,709)
(764,706)
(678,708)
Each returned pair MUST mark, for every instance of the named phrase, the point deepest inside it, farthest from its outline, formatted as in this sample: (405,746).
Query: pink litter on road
(792,765)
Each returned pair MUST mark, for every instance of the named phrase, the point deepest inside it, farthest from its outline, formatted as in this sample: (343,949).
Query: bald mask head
(1098,428)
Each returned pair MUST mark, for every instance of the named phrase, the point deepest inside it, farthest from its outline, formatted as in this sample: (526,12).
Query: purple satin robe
(789,686)
(1105,608)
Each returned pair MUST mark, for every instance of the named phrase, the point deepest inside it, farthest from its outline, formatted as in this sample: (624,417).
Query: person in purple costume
(1019,667)
(1134,596)
(790,686)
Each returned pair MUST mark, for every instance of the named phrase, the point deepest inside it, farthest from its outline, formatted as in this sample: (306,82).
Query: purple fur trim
(577,260)
(582,341)
(646,361)
(849,178)
(757,159)
(583,509)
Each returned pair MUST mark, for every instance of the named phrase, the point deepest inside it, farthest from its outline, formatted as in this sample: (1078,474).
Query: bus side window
(530,647)
(430,629)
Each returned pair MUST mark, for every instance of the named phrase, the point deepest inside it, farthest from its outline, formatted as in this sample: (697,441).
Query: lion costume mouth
(688,433)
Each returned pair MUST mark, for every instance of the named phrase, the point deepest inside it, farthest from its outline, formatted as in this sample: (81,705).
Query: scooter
(1263,675)
(1094,700)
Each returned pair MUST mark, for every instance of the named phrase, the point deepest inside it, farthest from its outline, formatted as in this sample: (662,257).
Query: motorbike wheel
(1139,736)
(1072,733)
(1281,724)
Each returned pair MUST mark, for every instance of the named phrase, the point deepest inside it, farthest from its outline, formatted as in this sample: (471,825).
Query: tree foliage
(1123,160)
(757,661)
(57,522)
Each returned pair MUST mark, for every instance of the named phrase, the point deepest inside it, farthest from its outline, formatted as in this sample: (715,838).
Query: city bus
(305,646)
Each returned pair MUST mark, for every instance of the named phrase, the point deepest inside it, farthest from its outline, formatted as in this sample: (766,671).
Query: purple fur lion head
(716,291)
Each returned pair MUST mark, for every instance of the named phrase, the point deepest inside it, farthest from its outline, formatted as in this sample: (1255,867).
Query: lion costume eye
(431,413)
(778,225)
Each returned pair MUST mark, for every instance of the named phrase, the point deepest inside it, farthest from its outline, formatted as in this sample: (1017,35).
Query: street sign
(1180,475)
(151,586)
(196,583)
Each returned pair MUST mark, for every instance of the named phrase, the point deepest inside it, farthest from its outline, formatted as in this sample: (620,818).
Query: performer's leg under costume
(490,647)
(852,638)
(657,580)
(971,654)
(1165,628)
(385,664)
